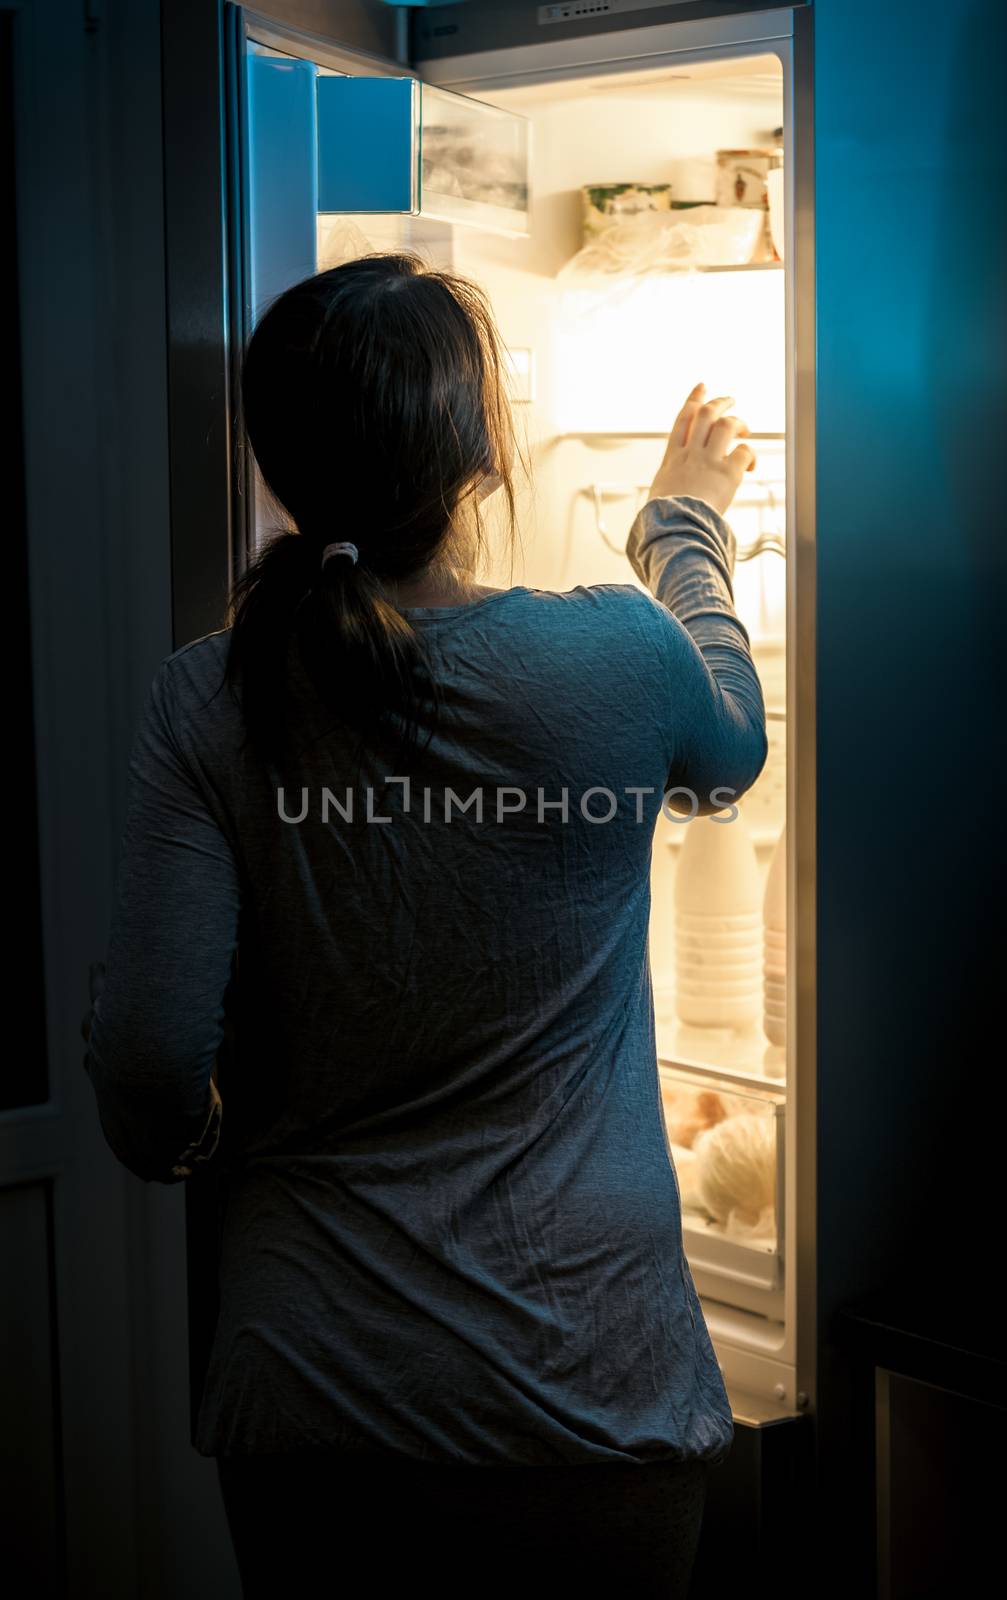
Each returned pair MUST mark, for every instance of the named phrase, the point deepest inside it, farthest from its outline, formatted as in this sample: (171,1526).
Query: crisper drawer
(727,1145)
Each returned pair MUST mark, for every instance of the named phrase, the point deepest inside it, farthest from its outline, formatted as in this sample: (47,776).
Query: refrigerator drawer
(726,1141)
(756,1267)
(739,1275)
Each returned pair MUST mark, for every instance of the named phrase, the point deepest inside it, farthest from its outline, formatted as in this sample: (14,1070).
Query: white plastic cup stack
(718,926)
(774,957)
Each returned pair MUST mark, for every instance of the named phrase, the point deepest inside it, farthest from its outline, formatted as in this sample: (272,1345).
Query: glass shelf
(739,1077)
(611,433)
(744,266)
(679,272)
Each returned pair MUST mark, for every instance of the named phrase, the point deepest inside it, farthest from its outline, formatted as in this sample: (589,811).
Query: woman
(455,1315)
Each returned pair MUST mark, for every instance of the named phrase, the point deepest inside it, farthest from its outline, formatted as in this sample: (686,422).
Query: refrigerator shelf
(736,1077)
(744,266)
(685,271)
(588,435)
(762,838)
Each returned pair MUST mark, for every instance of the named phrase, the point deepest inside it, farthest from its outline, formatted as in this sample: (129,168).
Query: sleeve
(159,1021)
(683,550)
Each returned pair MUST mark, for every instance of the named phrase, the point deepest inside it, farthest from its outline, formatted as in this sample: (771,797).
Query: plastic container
(607,205)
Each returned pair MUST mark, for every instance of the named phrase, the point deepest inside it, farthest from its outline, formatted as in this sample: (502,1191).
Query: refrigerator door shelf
(397,146)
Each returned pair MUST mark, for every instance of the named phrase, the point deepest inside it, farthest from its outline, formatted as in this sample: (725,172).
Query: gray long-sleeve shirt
(452,1226)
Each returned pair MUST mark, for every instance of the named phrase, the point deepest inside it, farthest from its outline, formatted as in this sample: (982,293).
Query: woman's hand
(696,461)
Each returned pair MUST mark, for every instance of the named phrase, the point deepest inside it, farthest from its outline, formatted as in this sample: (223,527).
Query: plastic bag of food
(736,1173)
(662,241)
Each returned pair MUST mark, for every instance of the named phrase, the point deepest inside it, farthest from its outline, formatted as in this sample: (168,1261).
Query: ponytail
(364,660)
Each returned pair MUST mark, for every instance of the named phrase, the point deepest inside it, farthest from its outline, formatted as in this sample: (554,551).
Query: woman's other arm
(158,1020)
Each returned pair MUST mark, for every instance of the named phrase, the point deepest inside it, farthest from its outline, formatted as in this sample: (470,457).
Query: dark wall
(912,388)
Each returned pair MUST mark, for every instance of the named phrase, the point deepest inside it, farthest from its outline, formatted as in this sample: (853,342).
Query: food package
(610,205)
(736,1173)
(662,241)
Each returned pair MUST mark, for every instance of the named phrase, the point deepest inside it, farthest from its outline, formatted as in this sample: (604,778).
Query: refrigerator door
(398,146)
(281,175)
(378,119)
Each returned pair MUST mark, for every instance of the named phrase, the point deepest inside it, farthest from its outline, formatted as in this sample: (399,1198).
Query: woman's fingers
(742,459)
(708,415)
(722,432)
(709,426)
(683,422)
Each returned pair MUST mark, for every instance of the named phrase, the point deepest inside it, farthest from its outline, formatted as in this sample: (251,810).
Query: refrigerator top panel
(442,32)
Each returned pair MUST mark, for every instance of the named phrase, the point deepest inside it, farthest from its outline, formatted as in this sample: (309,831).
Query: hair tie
(344,549)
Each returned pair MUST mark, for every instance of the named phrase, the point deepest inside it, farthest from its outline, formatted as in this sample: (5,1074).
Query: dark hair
(374,404)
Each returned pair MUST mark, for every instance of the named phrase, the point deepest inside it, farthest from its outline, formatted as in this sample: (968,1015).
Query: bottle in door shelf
(774,961)
(718,926)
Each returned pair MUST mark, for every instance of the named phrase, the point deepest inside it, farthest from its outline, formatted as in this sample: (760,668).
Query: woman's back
(453,1227)
(451,1230)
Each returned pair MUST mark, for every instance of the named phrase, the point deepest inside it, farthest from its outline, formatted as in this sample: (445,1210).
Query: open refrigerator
(637,206)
